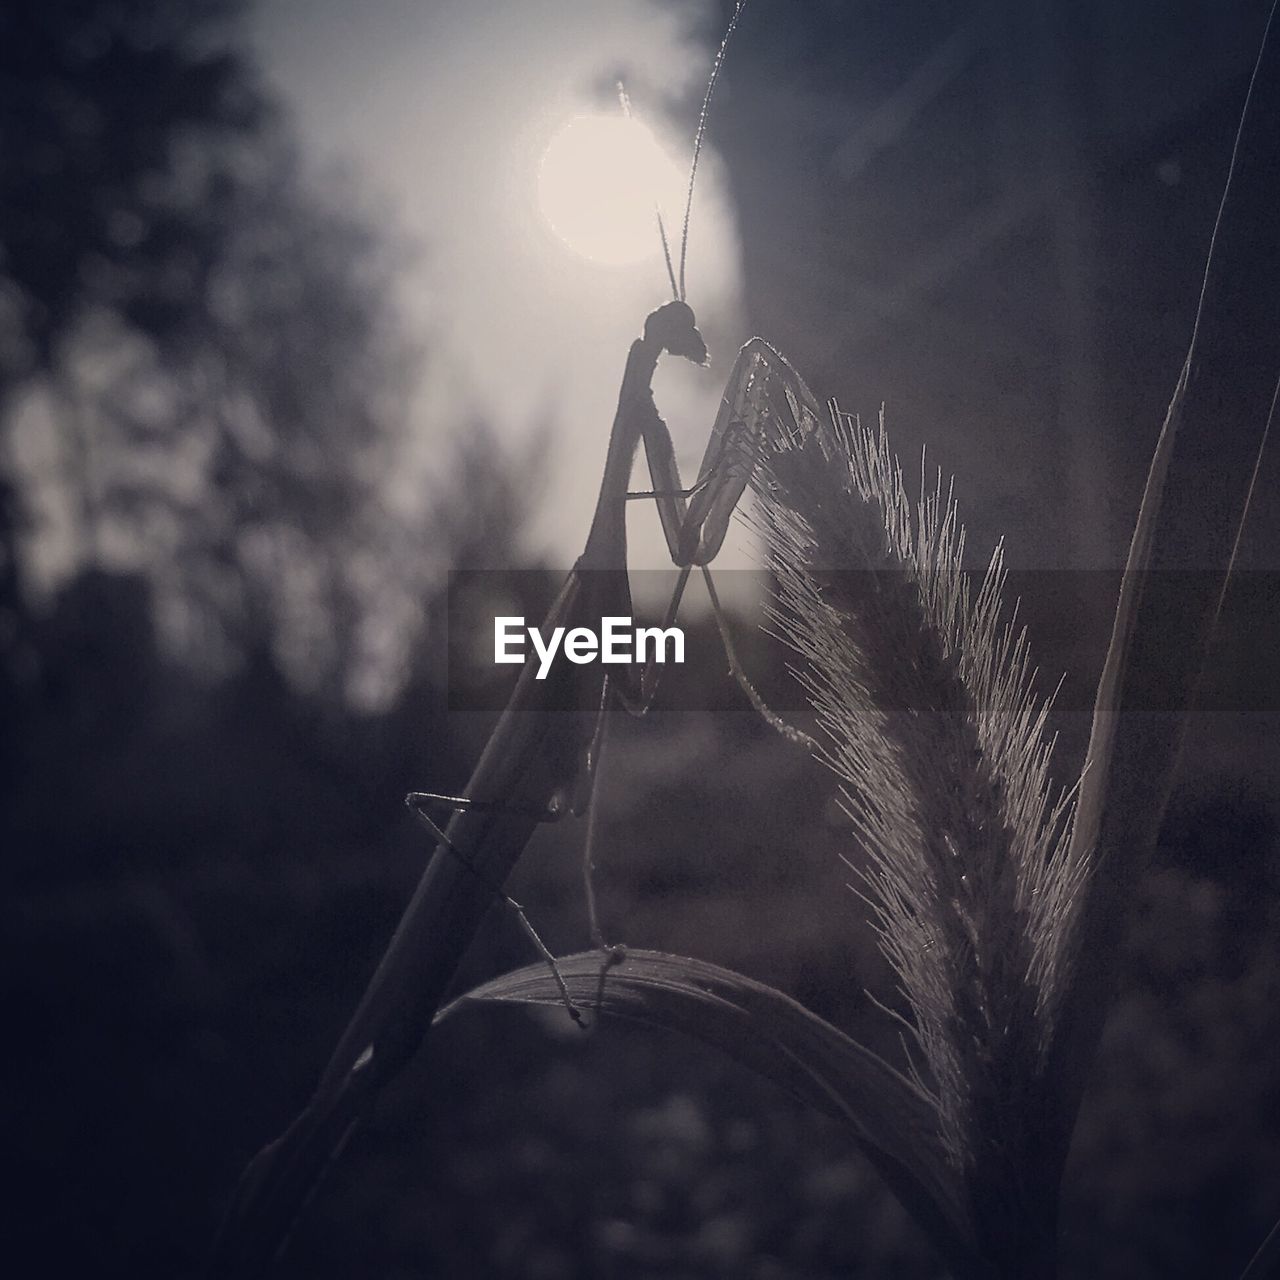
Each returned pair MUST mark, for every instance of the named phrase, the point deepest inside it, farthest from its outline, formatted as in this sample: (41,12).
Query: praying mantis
(542,758)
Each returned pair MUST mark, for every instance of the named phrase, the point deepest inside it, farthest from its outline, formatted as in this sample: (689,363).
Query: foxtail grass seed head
(923,692)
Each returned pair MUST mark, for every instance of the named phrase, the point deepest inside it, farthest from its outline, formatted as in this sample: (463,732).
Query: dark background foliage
(997,214)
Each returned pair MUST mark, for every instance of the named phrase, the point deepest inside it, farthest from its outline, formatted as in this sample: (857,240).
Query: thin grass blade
(1196,498)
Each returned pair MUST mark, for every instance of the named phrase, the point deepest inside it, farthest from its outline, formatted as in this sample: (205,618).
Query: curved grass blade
(893,1119)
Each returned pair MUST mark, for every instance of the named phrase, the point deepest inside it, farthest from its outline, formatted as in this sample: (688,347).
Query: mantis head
(673,328)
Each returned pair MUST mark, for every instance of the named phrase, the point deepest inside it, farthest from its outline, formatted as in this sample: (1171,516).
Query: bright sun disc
(597,185)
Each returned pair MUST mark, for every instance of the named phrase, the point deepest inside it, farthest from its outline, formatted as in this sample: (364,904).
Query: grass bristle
(923,690)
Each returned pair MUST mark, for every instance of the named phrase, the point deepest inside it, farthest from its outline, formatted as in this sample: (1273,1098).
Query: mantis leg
(639,684)
(766,713)
(765,401)
(614,953)
(636,694)
(417,801)
(635,494)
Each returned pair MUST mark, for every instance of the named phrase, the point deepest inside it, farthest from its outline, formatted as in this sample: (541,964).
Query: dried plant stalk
(924,694)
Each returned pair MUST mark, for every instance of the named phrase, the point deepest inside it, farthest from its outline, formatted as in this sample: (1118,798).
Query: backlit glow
(598,183)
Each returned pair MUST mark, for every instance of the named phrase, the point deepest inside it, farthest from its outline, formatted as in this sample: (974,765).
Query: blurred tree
(92,98)
(95,95)
(211,340)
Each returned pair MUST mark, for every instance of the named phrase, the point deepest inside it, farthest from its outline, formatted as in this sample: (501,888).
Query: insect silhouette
(543,756)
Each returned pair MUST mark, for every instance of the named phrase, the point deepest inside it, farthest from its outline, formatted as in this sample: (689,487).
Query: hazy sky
(445,108)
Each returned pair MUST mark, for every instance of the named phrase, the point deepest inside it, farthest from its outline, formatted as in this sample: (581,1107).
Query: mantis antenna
(677,286)
(697,145)
(624,102)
